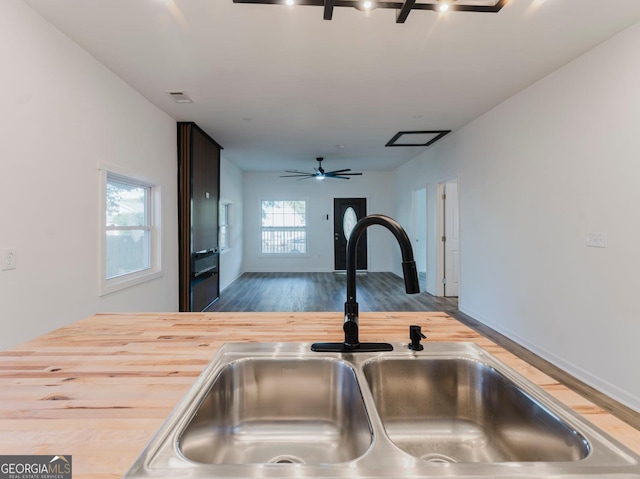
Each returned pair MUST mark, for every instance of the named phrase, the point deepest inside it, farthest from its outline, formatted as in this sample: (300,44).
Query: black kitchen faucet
(350,327)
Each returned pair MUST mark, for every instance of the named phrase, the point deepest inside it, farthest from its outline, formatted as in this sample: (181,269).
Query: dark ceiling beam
(464,8)
(403,13)
(402,7)
(328,9)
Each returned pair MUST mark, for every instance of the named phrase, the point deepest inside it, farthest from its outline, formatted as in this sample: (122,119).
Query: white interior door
(451,239)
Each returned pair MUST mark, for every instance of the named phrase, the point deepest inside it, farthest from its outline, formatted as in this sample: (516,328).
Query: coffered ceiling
(278,86)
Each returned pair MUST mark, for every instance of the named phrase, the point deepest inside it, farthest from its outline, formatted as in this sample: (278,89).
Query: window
(130,239)
(284,227)
(224,221)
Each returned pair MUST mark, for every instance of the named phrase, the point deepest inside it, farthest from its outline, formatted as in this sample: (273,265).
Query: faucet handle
(415,335)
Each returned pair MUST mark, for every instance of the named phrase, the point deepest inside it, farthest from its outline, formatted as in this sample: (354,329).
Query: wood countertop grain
(100,388)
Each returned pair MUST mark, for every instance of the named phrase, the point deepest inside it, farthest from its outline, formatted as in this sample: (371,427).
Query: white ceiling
(277,86)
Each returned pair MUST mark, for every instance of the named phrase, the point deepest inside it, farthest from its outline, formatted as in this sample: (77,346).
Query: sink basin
(282,411)
(461,410)
(279,411)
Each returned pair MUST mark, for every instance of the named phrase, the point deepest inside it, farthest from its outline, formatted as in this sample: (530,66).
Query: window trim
(306,229)
(154,207)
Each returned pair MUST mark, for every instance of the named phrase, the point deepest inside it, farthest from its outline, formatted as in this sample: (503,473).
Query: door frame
(414,229)
(440,232)
(364,237)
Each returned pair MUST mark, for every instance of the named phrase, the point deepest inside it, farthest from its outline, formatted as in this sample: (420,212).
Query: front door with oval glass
(346,213)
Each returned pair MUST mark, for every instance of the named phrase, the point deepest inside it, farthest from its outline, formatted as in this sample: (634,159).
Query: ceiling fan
(320,174)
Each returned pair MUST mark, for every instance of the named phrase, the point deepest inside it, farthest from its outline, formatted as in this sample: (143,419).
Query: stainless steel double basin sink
(279,410)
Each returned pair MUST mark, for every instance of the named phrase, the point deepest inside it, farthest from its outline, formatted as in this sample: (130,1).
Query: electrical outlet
(597,240)
(9,259)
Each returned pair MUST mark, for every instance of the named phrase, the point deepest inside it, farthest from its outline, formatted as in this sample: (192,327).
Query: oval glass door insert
(349,221)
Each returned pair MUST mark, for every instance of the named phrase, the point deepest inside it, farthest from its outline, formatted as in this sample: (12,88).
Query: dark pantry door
(353,209)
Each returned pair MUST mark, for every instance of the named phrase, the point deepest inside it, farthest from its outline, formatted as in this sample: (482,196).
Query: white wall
(231,191)
(536,174)
(63,112)
(375,186)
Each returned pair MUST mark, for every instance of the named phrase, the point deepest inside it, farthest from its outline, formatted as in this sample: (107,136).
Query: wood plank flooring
(306,292)
(318,292)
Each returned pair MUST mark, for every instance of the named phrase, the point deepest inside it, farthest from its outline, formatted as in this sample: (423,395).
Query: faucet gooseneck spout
(350,326)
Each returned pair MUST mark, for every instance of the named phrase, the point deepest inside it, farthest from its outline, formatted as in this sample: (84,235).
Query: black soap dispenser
(415,335)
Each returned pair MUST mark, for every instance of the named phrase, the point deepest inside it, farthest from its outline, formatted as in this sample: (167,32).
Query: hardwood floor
(324,292)
(306,292)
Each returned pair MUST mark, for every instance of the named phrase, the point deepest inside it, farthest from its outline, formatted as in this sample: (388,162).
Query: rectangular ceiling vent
(179,96)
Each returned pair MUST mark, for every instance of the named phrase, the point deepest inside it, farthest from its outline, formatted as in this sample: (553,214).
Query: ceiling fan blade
(319,173)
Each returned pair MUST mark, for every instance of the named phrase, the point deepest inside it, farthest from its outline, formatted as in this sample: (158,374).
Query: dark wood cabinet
(198,196)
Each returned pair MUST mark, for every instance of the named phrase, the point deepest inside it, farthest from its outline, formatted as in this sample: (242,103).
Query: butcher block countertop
(100,388)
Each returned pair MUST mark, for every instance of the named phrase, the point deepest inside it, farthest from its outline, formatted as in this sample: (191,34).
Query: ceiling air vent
(179,96)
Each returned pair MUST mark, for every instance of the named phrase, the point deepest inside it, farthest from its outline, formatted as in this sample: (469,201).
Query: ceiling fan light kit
(403,8)
(320,173)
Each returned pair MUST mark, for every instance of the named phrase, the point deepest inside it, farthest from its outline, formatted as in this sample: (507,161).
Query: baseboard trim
(225,286)
(612,391)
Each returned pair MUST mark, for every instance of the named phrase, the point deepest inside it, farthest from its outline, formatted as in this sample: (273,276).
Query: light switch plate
(597,240)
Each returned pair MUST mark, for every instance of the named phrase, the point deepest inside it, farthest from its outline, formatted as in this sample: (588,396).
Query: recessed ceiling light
(367,5)
(444,6)
(339,146)
(290,2)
